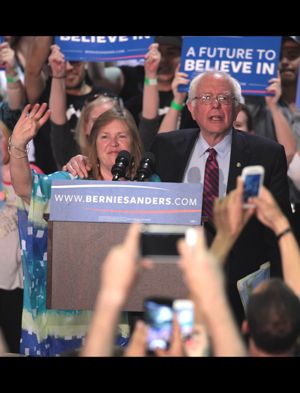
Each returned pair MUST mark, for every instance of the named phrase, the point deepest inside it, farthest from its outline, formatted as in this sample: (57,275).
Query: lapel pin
(238,164)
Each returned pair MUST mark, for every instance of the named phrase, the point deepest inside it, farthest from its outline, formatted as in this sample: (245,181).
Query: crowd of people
(69,120)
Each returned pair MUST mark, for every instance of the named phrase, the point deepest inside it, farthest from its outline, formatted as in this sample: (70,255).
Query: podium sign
(125,202)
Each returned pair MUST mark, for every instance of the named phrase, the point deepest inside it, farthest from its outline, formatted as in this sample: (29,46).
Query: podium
(89,217)
(76,251)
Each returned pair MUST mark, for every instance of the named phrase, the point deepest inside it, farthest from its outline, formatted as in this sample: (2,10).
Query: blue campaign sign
(298,90)
(126,202)
(104,48)
(253,61)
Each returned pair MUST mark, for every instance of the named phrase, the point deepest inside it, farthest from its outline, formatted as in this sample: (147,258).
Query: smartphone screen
(160,239)
(251,185)
(159,318)
(184,311)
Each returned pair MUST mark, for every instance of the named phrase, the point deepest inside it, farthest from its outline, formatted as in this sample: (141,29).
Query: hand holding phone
(253,177)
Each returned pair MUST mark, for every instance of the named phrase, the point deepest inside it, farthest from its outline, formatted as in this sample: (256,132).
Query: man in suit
(214,102)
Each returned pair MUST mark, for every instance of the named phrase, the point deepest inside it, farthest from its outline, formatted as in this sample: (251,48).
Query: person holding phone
(214,101)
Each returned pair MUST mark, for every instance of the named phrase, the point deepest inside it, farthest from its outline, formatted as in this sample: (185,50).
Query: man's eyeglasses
(208,99)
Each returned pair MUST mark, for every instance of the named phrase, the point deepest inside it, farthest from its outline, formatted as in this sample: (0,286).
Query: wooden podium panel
(76,251)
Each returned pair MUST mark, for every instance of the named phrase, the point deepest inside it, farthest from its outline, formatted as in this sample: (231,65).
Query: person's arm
(269,213)
(26,128)
(294,170)
(58,101)
(283,130)
(170,120)
(150,93)
(230,218)
(35,79)
(205,280)
(113,293)
(15,88)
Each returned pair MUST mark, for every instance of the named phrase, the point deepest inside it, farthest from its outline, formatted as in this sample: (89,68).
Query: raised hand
(229,215)
(30,121)
(274,87)
(7,56)
(268,212)
(181,78)
(57,62)
(152,60)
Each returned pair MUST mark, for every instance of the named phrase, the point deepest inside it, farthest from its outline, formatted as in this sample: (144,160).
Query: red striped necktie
(210,185)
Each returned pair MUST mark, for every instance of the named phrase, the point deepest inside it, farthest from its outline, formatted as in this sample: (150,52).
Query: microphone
(119,168)
(147,166)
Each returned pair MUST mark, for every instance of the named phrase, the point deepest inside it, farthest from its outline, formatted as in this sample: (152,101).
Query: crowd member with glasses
(214,101)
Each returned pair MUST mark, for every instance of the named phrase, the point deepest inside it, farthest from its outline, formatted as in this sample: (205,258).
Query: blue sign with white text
(126,202)
(253,61)
(104,48)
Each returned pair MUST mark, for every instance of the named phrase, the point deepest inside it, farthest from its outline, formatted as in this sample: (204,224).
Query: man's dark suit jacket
(256,244)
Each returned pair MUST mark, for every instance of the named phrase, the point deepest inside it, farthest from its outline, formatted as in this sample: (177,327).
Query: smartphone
(159,318)
(184,311)
(160,239)
(253,177)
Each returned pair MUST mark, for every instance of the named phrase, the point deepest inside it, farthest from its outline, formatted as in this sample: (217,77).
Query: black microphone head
(147,166)
(122,161)
(149,156)
(123,156)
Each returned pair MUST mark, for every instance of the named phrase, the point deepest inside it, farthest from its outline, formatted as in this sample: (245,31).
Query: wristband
(19,149)
(177,107)
(150,82)
(12,79)
(283,233)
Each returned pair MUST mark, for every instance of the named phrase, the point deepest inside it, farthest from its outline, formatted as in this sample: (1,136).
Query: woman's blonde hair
(124,116)
(80,135)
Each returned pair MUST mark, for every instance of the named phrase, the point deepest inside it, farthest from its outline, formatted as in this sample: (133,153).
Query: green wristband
(12,79)
(177,107)
(150,82)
